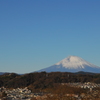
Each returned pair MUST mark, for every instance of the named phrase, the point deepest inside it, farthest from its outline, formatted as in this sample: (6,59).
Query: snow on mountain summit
(72,64)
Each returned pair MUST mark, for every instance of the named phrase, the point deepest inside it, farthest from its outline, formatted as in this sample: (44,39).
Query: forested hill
(42,80)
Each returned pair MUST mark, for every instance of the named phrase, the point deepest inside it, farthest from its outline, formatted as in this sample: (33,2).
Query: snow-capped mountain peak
(72,64)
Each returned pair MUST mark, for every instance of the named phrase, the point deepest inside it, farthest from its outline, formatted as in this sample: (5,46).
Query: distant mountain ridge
(72,64)
(1,73)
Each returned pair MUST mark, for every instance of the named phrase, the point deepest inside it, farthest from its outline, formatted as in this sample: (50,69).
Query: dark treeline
(43,80)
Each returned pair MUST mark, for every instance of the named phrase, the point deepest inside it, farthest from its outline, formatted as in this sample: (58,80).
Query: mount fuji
(72,64)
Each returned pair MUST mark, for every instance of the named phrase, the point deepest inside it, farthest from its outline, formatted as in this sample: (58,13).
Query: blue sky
(35,34)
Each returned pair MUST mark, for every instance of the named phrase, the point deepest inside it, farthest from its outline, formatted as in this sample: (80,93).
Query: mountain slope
(1,73)
(72,64)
